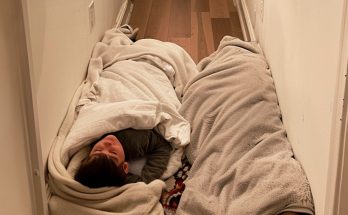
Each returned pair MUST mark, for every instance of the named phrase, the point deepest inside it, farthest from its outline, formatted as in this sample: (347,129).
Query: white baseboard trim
(124,14)
(128,13)
(245,20)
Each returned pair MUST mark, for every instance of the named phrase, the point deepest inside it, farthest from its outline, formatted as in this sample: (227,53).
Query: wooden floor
(196,25)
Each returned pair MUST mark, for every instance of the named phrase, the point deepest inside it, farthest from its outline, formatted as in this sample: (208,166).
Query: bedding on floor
(129,85)
(242,161)
(222,115)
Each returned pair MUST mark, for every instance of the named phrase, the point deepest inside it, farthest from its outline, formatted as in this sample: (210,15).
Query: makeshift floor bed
(231,153)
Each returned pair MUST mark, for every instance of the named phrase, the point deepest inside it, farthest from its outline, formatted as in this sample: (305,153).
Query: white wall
(301,40)
(15,186)
(60,43)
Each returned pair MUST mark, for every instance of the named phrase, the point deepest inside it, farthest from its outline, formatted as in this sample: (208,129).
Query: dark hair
(100,171)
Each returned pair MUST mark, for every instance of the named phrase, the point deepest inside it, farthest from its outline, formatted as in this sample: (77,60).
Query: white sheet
(128,85)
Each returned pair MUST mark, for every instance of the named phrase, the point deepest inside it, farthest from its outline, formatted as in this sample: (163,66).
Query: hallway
(196,25)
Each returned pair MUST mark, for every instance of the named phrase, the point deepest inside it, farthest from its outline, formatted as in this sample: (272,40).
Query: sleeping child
(106,164)
(131,89)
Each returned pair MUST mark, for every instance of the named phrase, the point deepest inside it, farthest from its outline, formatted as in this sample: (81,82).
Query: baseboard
(124,14)
(128,13)
(245,21)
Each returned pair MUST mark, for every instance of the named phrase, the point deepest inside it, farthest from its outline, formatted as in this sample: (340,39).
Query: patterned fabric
(175,186)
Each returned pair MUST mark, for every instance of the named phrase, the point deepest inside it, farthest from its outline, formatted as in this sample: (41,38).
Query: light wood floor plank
(194,37)
(201,43)
(140,16)
(180,19)
(196,25)
(219,9)
(208,32)
(158,24)
(221,28)
(200,5)
(231,7)
(235,24)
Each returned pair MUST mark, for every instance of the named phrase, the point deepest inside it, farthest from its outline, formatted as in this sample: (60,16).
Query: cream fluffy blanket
(242,161)
(128,85)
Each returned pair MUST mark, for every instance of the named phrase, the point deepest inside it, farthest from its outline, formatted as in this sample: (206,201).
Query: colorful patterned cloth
(175,186)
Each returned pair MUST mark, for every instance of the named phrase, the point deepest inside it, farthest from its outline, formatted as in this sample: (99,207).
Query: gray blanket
(242,160)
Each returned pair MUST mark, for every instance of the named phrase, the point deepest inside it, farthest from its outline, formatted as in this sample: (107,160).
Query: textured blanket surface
(128,85)
(242,162)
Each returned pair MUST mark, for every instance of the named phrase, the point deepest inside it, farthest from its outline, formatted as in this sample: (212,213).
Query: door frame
(337,187)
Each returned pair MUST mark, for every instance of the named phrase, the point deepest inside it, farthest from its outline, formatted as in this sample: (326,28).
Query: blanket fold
(242,162)
(128,85)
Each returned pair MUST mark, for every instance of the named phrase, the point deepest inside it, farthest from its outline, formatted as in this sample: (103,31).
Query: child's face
(111,147)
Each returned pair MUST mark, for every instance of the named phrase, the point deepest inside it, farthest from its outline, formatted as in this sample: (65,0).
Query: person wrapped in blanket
(106,164)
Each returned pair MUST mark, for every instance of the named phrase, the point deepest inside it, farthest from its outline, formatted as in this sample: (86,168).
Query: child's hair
(100,171)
